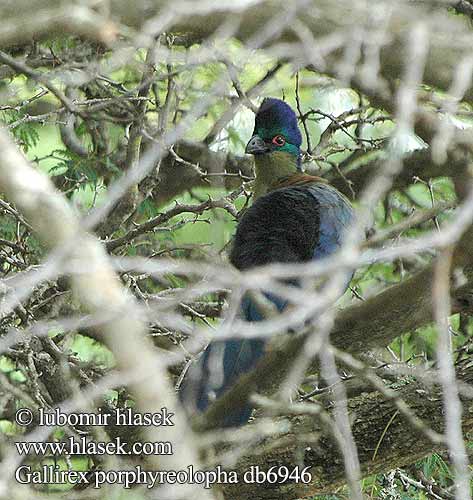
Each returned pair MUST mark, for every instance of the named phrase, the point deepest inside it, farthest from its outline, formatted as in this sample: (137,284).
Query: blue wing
(336,216)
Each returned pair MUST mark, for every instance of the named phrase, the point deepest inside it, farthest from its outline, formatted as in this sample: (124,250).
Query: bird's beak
(256,146)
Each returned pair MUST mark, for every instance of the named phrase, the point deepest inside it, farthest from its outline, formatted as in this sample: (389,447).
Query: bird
(295,217)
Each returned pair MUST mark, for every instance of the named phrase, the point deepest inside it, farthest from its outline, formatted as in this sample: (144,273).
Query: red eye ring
(278,140)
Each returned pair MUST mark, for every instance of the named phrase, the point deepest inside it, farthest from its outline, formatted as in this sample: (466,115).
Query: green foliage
(89,350)
(26,134)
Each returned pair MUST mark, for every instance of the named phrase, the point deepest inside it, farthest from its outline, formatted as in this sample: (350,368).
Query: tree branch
(99,290)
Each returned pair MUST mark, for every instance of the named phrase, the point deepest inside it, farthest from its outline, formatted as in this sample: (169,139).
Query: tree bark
(385,440)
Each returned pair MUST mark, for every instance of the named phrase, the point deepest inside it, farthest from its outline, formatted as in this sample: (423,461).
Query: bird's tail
(222,364)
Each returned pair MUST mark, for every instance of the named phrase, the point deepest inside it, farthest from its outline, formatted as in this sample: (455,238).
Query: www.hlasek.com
(54,474)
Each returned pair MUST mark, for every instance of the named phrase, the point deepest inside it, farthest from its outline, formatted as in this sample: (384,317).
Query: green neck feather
(272,168)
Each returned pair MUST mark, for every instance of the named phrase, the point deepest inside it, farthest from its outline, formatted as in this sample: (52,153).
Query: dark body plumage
(303,219)
(282,226)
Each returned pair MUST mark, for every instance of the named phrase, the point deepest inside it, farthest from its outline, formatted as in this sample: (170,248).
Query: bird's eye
(278,140)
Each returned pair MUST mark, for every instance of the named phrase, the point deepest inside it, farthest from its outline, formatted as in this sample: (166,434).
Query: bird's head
(276,130)
(275,143)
